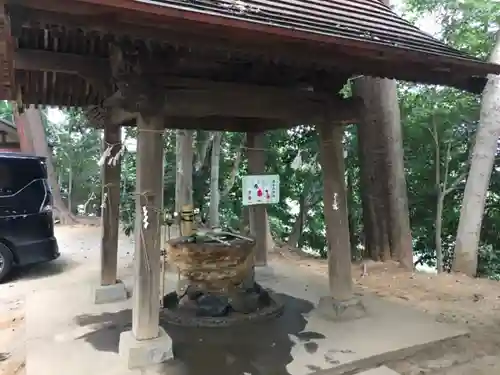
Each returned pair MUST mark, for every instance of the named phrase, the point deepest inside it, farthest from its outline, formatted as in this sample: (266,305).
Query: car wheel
(6,261)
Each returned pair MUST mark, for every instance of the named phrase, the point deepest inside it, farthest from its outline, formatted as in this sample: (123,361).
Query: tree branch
(455,183)
(446,167)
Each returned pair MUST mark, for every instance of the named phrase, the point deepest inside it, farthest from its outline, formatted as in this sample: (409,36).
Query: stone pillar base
(144,353)
(336,310)
(110,293)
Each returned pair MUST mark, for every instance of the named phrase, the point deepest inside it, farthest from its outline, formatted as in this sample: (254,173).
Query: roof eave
(471,69)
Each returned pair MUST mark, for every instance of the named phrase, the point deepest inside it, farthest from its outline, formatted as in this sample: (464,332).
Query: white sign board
(261,189)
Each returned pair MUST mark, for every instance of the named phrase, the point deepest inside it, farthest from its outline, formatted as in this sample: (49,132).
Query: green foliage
(6,111)
(469,25)
(76,150)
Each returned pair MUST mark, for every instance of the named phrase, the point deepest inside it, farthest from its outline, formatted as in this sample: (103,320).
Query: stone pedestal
(110,293)
(336,310)
(218,286)
(143,353)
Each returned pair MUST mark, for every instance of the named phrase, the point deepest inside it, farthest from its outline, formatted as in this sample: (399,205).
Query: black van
(26,220)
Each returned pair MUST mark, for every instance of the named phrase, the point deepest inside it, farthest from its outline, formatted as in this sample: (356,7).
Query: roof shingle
(368,22)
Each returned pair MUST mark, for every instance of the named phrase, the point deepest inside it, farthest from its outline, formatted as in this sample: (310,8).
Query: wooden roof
(45,45)
(336,21)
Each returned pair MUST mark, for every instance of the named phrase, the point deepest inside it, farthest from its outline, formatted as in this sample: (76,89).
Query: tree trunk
(399,216)
(367,189)
(70,189)
(34,130)
(203,151)
(350,212)
(236,165)
(214,181)
(373,169)
(385,204)
(382,201)
(399,223)
(440,200)
(483,157)
(25,141)
(296,232)
(439,227)
(269,234)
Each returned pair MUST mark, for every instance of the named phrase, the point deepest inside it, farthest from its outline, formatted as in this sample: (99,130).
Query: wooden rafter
(45,61)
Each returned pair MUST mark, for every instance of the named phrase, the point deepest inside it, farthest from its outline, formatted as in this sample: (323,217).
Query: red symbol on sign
(259,192)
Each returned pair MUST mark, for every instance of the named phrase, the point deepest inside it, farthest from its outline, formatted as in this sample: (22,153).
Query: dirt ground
(450,298)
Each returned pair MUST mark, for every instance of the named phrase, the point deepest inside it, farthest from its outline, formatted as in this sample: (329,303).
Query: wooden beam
(335,210)
(98,67)
(297,107)
(199,98)
(258,216)
(294,108)
(149,205)
(118,116)
(111,206)
(218,123)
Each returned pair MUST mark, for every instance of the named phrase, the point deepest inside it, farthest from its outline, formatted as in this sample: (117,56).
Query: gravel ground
(80,260)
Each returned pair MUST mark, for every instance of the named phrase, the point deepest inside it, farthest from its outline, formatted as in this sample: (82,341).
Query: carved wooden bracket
(136,90)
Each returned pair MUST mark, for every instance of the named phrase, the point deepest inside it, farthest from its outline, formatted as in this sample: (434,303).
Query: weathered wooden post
(147,343)
(341,303)
(110,288)
(258,215)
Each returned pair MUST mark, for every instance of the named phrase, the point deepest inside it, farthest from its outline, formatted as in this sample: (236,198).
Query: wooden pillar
(111,205)
(149,203)
(335,210)
(258,215)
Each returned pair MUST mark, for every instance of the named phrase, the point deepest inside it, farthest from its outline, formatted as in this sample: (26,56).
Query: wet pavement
(262,348)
